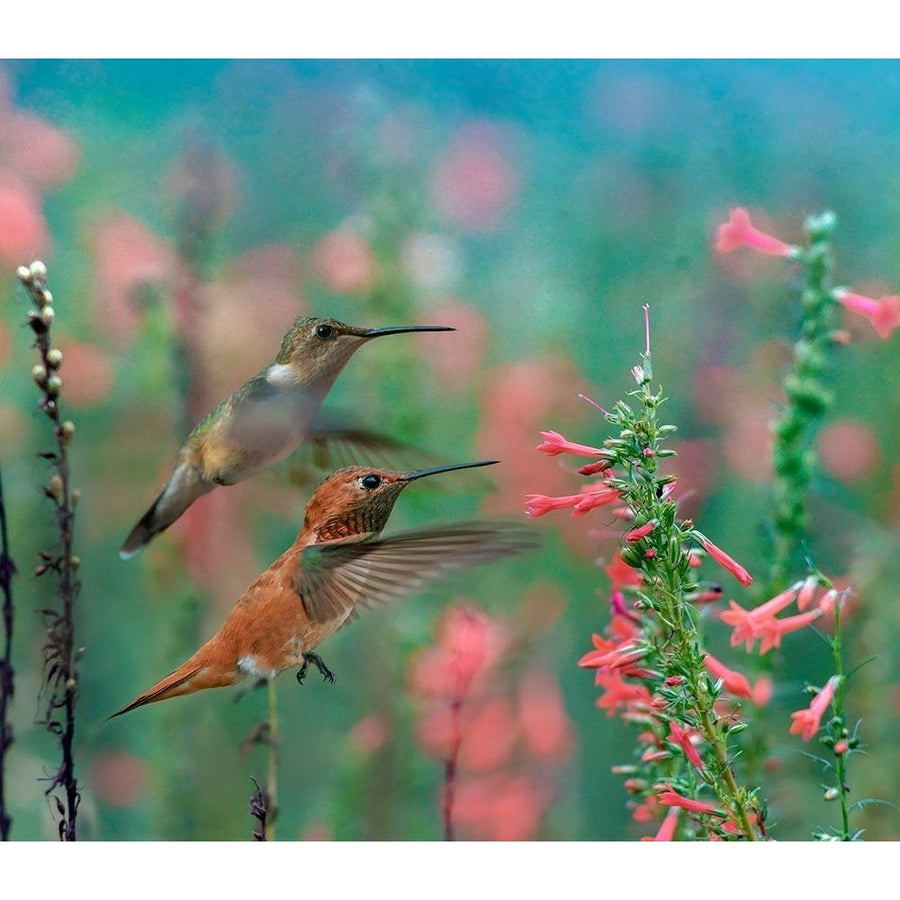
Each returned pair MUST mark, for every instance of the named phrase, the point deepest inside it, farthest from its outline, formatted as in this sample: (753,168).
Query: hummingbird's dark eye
(370,481)
(324,331)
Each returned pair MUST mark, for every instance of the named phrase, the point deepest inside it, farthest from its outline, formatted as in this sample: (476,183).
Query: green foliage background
(623,170)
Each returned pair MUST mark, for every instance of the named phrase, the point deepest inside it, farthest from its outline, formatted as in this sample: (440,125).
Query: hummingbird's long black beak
(403,329)
(433,470)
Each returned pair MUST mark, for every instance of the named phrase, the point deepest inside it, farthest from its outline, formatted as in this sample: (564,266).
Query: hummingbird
(337,564)
(264,420)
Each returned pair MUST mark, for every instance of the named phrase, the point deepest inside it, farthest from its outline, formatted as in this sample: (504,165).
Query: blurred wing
(332,445)
(332,442)
(334,578)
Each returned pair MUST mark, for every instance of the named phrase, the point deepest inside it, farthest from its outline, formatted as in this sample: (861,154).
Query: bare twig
(60,652)
(7,570)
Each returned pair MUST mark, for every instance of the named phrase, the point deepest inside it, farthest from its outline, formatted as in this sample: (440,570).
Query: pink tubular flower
(725,561)
(772,629)
(748,625)
(594,496)
(739,232)
(884,314)
(667,829)
(621,657)
(806,592)
(684,738)
(621,694)
(555,443)
(806,721)
(668,797)
(733,682)
(539,504)
(761,623)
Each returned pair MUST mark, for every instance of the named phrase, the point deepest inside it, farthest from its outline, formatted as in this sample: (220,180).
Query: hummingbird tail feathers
(189,677)
(184,487)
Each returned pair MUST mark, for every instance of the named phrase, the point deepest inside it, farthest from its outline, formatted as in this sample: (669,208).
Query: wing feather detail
(333,579)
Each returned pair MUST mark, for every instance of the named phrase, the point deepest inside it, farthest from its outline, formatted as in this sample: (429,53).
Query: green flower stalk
(653,665)
(808,398)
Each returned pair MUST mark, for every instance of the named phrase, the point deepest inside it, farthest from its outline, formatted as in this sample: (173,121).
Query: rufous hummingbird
(337,564)
(263,421)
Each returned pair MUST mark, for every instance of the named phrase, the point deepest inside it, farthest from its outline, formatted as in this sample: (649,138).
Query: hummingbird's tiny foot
(316,660)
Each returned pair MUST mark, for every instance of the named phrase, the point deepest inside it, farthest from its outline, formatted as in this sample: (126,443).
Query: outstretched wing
(333,579)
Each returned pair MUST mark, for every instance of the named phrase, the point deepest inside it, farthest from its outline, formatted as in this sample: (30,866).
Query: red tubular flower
(739,232)
(621,694)
(684,738)
(772,629)
(555,443)
(725,561)
(806,592)
(593,496)
(539,504)
(733,682)
(667,829)
(884,314)
(621,657)
(806,721)
(668,797)
(637,533)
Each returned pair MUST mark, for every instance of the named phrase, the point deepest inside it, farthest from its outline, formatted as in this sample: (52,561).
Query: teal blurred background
(188,210)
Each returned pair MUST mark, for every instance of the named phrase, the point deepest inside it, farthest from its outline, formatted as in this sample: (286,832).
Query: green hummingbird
(264,420)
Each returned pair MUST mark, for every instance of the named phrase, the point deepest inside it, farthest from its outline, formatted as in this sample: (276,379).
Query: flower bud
(38,270)
(832,794)
(67,430)
(47,316)
(55,488)
(54,385)
(23,273)
(54,357)
(39,374)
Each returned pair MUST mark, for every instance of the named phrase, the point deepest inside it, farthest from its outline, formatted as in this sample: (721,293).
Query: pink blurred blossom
(86,371)
(42,154)
(128,258)
(502,807)
(456,370)
(474,182)
(848,449)
(468,645)
(370,733)
(39,153)
(345,263)
(117,778)
(545,725)
(23,232)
